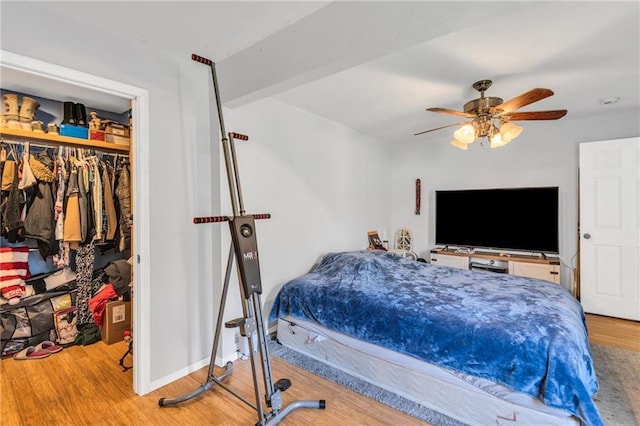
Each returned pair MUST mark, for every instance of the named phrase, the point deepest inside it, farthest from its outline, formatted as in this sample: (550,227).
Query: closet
(67,212)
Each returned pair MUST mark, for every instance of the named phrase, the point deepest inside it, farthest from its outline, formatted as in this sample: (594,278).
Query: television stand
(532,266)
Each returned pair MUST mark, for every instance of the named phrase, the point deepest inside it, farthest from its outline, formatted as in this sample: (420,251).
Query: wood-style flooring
(84,385)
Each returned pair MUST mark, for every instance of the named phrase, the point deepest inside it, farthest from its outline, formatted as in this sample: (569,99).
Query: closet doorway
(55,82)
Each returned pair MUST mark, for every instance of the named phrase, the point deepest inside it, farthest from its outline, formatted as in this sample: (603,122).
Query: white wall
(534,159)
(324,184)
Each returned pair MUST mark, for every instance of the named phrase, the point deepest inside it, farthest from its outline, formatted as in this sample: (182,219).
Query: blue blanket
(529,335)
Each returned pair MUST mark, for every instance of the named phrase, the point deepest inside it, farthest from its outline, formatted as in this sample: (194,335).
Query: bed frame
(461,397)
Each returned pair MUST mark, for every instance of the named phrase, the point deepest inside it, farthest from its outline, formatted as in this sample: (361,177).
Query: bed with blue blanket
(524,335)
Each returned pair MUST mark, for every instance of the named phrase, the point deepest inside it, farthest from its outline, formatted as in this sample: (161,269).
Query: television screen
(523,219)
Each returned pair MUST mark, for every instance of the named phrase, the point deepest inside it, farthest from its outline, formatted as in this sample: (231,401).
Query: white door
(610,228)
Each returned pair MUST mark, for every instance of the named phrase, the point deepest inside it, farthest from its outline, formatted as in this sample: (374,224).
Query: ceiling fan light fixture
(490,117)
(509,131)
(465,134)
(497,141)
(495,138)
(459,144)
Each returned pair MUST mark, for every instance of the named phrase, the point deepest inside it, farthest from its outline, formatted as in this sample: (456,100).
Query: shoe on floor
(48,346)
(30,353)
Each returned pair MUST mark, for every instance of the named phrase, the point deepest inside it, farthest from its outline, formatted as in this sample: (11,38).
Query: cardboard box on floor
(117,319)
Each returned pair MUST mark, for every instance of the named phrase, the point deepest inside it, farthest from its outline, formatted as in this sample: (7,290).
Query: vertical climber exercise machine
(245,249)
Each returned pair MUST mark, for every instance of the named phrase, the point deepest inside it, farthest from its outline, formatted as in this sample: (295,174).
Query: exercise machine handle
(201,59)
(261,215)
(238,136)
(210,219)
(214,219)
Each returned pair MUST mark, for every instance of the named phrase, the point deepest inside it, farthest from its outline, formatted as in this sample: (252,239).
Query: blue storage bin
(74,131)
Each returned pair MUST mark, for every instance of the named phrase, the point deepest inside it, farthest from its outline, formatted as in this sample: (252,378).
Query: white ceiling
(375,66)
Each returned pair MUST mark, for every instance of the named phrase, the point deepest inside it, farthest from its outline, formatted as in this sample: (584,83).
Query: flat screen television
(522,219)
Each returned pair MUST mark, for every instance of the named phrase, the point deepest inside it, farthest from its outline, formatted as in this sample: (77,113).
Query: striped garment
(14,265)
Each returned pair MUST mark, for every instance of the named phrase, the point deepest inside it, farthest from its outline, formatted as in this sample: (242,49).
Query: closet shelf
(9,133)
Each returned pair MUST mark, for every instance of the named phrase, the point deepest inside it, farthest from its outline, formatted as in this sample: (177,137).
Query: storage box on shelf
(118,140)
(74,131)
(96,135)
(116,133)
(118,129)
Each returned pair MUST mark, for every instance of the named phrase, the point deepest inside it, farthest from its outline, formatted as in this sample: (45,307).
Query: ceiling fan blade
(533,95)
(451,112)
(438,128)
(537,115)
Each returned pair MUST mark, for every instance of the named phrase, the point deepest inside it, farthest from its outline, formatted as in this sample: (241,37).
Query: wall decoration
(418,195)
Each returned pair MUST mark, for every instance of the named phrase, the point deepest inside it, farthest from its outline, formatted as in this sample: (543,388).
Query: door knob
(587,236)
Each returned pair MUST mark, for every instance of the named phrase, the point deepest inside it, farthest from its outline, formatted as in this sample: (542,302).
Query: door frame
(141,184)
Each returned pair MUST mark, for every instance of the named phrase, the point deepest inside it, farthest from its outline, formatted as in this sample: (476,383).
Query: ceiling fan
(492,118)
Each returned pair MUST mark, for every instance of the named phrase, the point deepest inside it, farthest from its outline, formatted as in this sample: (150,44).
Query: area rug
(618,373)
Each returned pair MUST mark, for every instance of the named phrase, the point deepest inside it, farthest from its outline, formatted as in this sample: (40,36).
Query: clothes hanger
(12,152)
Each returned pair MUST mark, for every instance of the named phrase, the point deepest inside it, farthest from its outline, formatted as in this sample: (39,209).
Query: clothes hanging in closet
(65,200)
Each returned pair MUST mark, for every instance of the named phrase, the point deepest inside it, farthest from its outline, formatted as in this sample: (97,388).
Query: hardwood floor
(619,333)
(84,385)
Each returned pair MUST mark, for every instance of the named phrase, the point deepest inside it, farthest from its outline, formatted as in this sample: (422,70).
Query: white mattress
(466,398)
